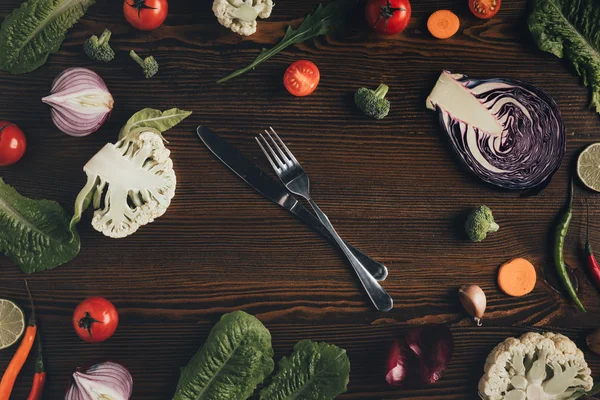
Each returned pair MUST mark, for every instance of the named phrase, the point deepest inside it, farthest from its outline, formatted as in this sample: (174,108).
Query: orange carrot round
(443,24)
(517,277)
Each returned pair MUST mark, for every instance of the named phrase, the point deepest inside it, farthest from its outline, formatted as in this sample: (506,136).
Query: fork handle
(380,298)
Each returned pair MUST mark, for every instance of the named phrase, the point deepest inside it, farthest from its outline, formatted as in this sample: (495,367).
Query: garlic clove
(473,300)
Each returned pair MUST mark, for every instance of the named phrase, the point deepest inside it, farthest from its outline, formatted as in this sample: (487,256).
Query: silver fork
(291,173)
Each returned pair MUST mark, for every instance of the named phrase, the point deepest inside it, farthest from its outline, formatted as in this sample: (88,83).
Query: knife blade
(275,191)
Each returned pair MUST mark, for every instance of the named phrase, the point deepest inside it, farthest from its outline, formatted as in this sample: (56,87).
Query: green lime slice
(588,167)
(12,323)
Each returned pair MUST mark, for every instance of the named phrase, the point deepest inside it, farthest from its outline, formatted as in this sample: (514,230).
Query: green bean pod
(559,243)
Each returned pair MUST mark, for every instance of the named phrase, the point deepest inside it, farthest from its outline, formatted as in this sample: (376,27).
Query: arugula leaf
(150,118)
(322,21)
(236,357)
(35,234)
(35,30)
(570,29)
(316,371)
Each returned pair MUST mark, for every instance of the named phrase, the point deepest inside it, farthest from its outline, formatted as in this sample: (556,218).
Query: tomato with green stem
(12,143)
(388,16)
(95,319)
(145,15)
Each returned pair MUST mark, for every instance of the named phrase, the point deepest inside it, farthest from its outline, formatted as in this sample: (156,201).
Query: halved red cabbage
(508,133)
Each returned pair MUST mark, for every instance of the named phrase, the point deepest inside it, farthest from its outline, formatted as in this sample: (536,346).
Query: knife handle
(376,269)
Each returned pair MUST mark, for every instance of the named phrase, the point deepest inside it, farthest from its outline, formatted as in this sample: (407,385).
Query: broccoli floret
(373,102)
(479,223)
(148,64)
(98,48)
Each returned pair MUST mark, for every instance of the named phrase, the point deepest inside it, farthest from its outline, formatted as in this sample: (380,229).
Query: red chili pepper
(593,266)
(39,379)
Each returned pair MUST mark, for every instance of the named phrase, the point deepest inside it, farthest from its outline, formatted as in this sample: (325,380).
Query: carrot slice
(517,277)
(443,24)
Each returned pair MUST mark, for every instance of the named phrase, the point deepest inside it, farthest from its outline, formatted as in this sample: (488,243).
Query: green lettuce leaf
(570,29)
(236,357)
(316,371)
(35,30)
(162,121)
(35,234)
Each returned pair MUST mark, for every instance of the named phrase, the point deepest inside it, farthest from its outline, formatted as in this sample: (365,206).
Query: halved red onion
(420,356)
(107,380)
(80,101)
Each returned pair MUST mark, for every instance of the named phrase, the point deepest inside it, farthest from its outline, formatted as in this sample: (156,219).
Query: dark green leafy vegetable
(316,371)
(36,29)
(321,22)
(570,29)
(236,357)
(35,234)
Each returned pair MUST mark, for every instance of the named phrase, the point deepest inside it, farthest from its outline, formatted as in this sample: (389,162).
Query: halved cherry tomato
(301,78)
(485,9)
(388,16)
(12,143)
(145,15)
(95,319)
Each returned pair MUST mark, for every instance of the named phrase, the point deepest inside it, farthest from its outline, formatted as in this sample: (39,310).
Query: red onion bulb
(107,380)
(80,101)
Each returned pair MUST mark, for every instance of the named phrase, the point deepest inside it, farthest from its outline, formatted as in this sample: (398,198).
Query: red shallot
(420,356)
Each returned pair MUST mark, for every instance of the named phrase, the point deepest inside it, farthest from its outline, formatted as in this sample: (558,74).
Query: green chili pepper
(559,243)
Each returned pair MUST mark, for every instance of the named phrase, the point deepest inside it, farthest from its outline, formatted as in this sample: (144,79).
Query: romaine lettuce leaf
(236,357)
(570,29)
(35,234)
(36,29)
(316,371)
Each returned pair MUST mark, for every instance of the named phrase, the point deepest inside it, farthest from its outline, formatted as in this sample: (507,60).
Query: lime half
(588,167)
(12,323)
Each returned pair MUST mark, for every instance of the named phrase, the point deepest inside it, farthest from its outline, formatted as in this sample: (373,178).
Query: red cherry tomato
(485,9)
(95,319)
(12,143)
(301,78)
(145,15)
(388,16)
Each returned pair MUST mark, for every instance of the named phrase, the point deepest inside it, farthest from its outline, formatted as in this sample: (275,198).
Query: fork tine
(290,155)
(275,167)
(284,157)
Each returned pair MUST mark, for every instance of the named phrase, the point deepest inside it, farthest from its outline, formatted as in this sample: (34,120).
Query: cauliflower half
(130,183)
(535,366)
(240,15)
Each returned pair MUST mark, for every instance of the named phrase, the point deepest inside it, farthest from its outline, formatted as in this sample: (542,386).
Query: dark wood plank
(391,187)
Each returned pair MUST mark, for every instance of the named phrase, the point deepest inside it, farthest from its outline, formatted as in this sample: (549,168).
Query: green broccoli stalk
(373,102)
(479,223)
(98,48)
(148,64)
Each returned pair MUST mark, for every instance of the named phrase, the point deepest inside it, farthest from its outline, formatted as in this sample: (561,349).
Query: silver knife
(273,190)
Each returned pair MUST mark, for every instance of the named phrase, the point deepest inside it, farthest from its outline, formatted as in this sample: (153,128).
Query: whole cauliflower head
(240,15)
(535,366)
(131,183)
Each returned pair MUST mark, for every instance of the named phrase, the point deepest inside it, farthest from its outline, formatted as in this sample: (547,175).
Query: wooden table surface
(392,187)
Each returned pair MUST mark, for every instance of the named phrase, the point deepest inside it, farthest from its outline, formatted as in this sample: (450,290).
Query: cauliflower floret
(535,366)
(240,15)
(130,184)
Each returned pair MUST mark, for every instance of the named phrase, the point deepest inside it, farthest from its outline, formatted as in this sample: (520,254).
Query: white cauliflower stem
(131,183)
(536,366)
(240,15)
